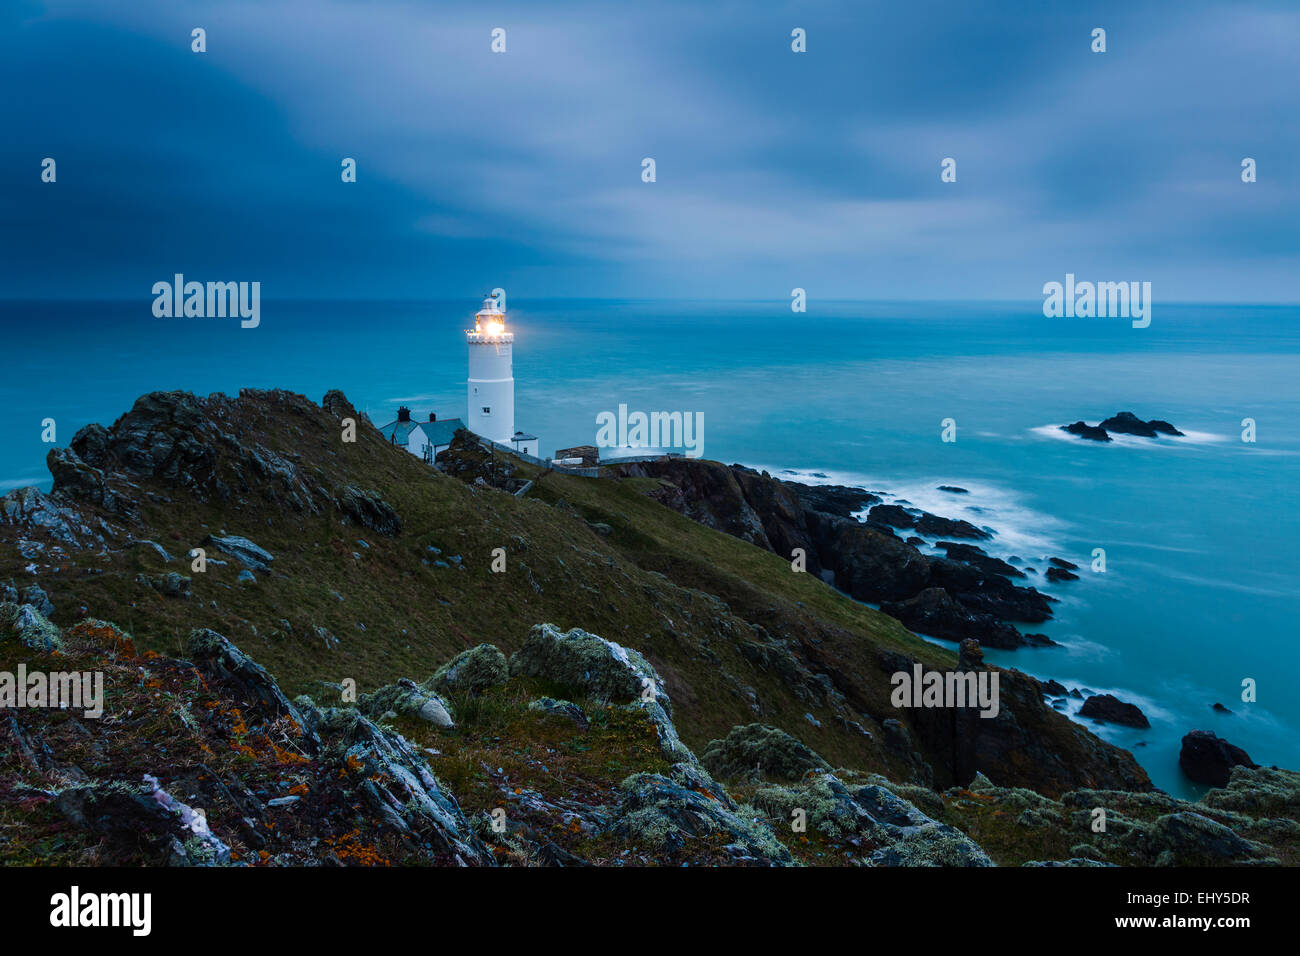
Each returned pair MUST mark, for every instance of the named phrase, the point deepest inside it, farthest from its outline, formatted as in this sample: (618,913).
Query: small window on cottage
(486,410)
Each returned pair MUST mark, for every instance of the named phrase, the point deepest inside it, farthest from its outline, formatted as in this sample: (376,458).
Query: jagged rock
(1054,688)
(384,772)
(869,564)
(890,830)
(981,591)
(337,404)
(1110,709)
(754,751)
(934,526)
(34,595)
(31,508)
(935,612)
(589,664)
(1060,574)
(250,555)
(974,555)
(369,510)
(472,671)
(1206,758)
(408,698)
(30,627)
(830,499)
(1084,430)
(149,814)
(672,812)
(215,654)
(895,515)
(1063,564)
(560,708)
(170,584)
(1126,423)
(670,745)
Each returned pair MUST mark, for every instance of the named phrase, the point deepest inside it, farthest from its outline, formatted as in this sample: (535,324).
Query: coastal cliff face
(374,657)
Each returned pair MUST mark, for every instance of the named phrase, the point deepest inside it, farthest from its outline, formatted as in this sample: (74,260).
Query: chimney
(403,414)
(433,417)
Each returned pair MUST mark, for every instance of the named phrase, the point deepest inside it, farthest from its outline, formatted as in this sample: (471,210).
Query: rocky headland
(319,651)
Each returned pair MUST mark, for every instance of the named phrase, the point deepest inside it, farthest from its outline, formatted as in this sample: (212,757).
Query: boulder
(30,627)
(1206,758)
(588,664)
(407,698)
(1126,423)
(933,526)
(1084,430)
(1112,710)
(895,515)
(756,751)
(471,672)
(686,810)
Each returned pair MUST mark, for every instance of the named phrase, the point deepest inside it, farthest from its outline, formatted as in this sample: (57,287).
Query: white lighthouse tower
(491,386)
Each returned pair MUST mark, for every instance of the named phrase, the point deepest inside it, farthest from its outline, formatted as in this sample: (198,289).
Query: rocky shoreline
(325,655)
(852,539)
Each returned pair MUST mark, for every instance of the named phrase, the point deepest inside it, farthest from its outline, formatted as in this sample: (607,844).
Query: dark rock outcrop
(935,612)
(1206,758)
(1084,430)
(1126,423)
(1112,710)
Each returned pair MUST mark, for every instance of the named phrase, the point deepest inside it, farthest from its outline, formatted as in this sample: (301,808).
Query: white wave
(1017,529)
(1188,438)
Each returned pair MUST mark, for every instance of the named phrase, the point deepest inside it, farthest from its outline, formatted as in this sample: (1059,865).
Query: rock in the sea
(1063,564)
(472,671)
(1126,423)
(1084,430)
(934,526)
(1111,709)
(895,515)
(755,751)
(975,556)
(954,490)
(1206,758)
(1061,574)
(1219,708)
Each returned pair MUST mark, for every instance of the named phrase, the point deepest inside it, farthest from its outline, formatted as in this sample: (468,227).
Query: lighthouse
(491,385)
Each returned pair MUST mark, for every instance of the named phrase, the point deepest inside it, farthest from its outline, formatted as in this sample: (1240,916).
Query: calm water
(1200,535)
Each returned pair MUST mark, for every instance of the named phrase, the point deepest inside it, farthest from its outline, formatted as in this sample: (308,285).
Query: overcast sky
(775,169)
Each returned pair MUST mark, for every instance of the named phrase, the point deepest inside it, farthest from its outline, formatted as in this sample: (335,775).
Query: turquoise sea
(1200,533)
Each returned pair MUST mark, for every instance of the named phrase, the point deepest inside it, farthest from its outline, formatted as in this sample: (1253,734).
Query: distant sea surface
(1200,534)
